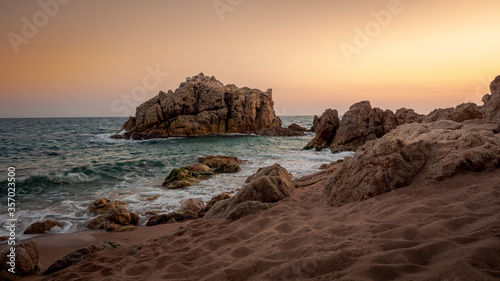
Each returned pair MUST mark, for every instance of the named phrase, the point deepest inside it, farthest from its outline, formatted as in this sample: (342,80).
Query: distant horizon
(92,58)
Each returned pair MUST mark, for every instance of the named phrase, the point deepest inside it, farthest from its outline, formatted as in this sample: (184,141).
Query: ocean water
(63,164)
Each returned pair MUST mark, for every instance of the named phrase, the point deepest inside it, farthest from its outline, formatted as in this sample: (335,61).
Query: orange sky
(91,58)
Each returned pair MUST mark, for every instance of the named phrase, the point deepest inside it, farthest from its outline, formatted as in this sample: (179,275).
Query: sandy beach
(444,231)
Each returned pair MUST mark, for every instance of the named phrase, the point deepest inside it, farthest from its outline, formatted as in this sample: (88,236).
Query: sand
(448,231)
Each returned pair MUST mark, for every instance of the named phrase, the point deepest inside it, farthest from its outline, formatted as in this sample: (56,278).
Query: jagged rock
(359,124)
(492,102)
(193,205)
(79,256)
(217,198)
(433,152)
(201,106)
(267,185)
(114,219)
(26,261)
(103,205)
(461,113)
(172,217)
(41,227)
(404,116)
(221,163)
(248,208)
(325,128)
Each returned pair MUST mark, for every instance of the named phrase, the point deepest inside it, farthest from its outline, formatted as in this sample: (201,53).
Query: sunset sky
(95,58)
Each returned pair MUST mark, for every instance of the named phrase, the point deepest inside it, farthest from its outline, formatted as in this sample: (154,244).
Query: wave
(82,175)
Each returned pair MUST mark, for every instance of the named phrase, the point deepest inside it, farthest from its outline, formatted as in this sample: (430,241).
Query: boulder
(80,256)
(221,163)
(325,128)
(217,198)
(267,185)
(41,227)
(172,217)
(281,132)
(432,152)
(492,102)
(26,261)
(193,205)
(404,116)
(103,205)
(202,106)
(187,176)
(114,219)
(297,127)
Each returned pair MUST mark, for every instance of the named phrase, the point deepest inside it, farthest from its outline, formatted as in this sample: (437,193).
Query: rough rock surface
(26,261)
(217,198)
(248,208)
(201,106)
(115,220)
(172,217)
(193,205)
(41,227)
(359,124)
(492,102)
(461,113)
(431,152)
(79,256)
(103,205)
(221,163)
(267,185)
(325,128)
(187,176)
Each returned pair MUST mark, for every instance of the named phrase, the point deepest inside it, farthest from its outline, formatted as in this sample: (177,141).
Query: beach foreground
(449,230)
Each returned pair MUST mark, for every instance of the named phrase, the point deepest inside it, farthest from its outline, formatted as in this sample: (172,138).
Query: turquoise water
(63,164)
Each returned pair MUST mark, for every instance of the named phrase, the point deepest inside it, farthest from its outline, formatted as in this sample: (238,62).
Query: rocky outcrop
(461,113)
(431,152)
(267,185)
(114,219)
(187,176)
(221,163)
(325,128)
(103,205)
(359,124)
(25,261)
(41,227)
(492,102)
(202,106)
(80,256)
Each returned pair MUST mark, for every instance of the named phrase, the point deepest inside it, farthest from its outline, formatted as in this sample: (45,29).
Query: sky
(91,58)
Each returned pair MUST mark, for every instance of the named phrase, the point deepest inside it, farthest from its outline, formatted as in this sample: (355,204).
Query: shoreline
(392,234)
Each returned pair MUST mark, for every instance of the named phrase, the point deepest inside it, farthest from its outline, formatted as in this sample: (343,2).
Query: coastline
(439,231)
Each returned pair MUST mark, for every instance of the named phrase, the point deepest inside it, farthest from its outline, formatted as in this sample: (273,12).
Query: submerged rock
(41,227)
(187,176)
(202,106)
(267,185)
(103,205)
(221,163)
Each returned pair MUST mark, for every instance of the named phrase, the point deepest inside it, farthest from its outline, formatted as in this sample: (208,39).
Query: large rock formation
(202,106)
(461,113)
(359,124)
(433,152)
(268,185)
(492,102)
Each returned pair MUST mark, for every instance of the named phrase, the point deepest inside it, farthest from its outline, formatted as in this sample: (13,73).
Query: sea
(64,164)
